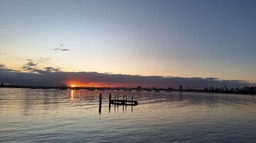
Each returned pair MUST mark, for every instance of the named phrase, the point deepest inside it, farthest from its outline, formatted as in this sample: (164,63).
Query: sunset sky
(167,38)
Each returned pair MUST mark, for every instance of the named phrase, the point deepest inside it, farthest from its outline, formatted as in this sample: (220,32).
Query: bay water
(51,115)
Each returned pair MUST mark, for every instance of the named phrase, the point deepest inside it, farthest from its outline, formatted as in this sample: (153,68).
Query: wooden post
(132,106)
(115,104)
(100,102)
(109,98)
(125,100)
(117,99)
(123,103)
(109,103)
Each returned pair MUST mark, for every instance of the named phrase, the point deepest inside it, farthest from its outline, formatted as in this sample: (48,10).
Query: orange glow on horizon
(78,84)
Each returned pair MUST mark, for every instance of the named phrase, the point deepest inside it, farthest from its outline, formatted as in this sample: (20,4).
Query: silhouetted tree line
(244,90)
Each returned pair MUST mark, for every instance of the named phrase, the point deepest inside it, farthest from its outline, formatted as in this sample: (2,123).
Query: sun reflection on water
(72,94)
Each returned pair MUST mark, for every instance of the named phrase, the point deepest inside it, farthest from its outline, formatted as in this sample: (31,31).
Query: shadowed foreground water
(36,115)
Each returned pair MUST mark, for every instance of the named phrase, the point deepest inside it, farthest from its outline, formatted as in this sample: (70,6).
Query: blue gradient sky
(185,38)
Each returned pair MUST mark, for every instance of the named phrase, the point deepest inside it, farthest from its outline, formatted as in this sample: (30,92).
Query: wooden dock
(117,101)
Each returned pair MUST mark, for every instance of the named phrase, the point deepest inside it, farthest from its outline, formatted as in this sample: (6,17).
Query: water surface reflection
(72,116)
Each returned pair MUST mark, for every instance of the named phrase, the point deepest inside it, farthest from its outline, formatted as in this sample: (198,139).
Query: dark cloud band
(50,76)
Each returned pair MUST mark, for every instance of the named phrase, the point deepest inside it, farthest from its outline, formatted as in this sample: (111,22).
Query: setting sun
(73,85)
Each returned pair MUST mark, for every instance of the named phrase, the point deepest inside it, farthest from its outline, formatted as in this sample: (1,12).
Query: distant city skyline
(200,39)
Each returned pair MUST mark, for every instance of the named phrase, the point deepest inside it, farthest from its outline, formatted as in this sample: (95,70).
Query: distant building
(180,87)
(4,84)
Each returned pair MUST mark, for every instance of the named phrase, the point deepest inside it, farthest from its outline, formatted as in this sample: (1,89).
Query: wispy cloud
(39,60)
(2,66)
(51,69)
(32,67)
(60,49)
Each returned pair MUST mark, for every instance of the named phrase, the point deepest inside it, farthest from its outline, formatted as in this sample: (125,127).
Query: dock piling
(109,103)
(100,102)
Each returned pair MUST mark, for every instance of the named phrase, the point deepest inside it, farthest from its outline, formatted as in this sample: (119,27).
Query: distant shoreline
(244,90)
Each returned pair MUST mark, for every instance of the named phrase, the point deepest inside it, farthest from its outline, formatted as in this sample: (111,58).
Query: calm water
(35,115)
